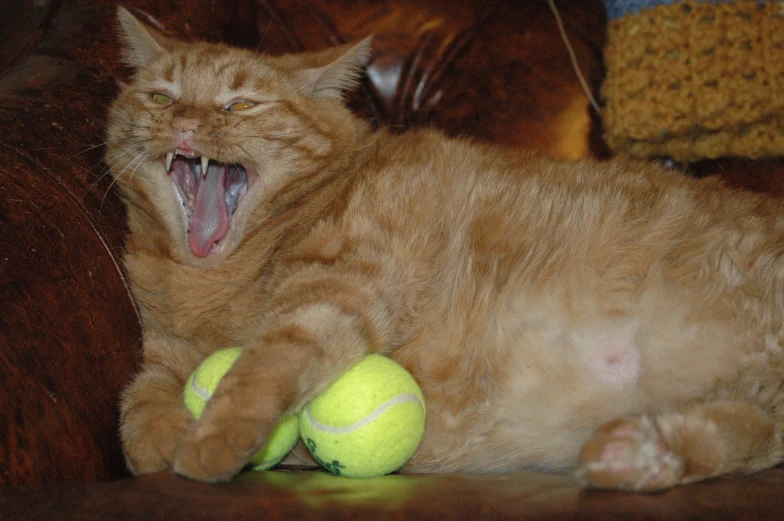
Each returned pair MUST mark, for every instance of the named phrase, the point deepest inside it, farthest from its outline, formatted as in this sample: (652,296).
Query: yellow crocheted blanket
(696,80)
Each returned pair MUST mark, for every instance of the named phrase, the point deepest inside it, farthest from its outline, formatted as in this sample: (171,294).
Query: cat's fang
(169,159)
(205,162)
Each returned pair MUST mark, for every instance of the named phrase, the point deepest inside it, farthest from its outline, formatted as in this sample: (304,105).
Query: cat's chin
(210,195)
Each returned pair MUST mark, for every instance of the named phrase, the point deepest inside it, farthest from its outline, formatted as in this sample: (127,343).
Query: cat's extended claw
(629,454)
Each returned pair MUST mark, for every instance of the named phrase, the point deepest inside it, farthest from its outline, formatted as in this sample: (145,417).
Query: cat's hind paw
(629,454)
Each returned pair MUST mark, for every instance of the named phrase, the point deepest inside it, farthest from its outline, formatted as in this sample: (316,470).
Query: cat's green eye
(240,105)
(161,99)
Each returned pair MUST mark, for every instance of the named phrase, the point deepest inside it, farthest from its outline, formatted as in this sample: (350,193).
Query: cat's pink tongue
(210,218)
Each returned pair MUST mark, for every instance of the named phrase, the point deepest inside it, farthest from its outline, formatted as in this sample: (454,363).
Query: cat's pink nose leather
(185,127)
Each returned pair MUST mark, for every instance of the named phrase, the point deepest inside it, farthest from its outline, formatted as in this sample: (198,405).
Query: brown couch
(69,329)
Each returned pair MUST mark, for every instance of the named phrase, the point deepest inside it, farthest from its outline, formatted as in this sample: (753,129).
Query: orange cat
(615,319)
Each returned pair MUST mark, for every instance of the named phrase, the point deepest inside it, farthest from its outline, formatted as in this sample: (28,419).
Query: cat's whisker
(106,170)
(143,107)
(270,137)
(127,166)
(101,174)
(133,148)
(141,156)
(264,36)
(133,172)
(249,157)
(130,123)
(81,151)
(240,121)
(107,142)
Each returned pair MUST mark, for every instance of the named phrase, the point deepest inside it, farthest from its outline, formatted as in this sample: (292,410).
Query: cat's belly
(534,402)
(549,381)
(559,387)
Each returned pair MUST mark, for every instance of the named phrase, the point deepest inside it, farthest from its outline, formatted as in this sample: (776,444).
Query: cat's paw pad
(629,454)
(214,454)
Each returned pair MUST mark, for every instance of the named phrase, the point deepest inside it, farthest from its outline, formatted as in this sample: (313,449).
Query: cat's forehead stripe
(229,78)
(239,79)
(168,72)
(228,73)
(218,64)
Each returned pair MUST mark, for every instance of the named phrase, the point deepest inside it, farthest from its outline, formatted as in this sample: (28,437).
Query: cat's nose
(185,127)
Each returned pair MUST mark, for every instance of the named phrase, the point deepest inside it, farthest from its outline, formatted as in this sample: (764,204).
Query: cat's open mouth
(209,193)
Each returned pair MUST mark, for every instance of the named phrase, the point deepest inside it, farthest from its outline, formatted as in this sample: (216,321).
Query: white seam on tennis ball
(203,393)
(401,398)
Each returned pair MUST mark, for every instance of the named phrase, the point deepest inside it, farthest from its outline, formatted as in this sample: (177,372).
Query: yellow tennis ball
(202,384)
(281,440)
(205,379)
(368,423)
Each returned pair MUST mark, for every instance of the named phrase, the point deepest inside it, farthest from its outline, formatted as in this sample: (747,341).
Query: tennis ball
(280,442)
(368,423)
(202,384)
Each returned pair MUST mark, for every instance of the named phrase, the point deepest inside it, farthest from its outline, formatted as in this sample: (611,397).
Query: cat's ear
(331,73)
(141,43)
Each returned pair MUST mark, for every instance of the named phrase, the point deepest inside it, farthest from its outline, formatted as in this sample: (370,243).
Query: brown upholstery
(69,330)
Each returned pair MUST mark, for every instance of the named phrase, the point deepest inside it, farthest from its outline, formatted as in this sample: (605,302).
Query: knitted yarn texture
(694,79)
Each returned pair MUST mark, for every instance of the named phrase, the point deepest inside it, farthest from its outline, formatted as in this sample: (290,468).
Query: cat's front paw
(211,452)
(151,440)
(629,454)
